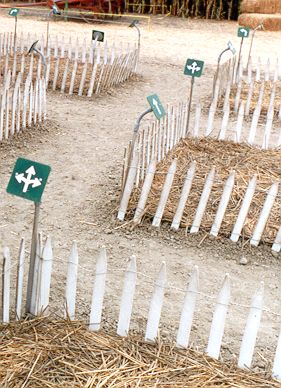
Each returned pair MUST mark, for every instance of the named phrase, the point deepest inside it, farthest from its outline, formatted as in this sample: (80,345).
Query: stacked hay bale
(255,12)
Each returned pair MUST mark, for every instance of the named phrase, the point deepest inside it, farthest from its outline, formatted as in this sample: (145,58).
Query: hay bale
(261,6)
(252,20)
(226,156)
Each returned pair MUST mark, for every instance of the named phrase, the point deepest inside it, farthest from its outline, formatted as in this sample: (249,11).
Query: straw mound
(255,96)
(226,156)
(44,353)
(260,6)
(252,20)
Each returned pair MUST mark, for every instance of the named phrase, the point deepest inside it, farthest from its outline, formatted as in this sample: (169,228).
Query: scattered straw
(226,156)
(48,353)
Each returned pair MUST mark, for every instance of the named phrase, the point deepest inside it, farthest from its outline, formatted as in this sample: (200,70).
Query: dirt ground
(84,142)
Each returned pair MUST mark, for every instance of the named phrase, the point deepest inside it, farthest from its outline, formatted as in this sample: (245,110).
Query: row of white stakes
(202,205)
(42,288)
(21,105)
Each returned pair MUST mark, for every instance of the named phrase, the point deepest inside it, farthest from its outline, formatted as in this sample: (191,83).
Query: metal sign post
(14,12)
(135,24)
(34,48)
(193,68)
(259,27)
(28,181)
(54,11)
(243,32)
(157,108)
(231,48)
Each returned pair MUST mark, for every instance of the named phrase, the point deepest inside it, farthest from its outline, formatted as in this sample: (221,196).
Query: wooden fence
(22,104)
(73,67)
(42,289)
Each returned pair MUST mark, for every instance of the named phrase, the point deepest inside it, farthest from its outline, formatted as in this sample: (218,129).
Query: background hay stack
(254,12)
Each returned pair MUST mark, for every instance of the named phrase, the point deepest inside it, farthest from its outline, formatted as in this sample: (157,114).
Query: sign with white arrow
(14,12)
(193,67)
(28,179)
(156,106)
(98,35)
(243,32)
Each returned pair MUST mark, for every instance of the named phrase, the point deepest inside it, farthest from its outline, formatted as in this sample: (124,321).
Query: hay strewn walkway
(45,353)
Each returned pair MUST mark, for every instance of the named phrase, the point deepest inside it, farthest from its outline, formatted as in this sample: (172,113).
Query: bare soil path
(84,142)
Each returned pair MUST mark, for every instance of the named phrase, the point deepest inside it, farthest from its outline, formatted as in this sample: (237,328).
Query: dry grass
(48,353)
(226,156)
(255,96)
(271,22)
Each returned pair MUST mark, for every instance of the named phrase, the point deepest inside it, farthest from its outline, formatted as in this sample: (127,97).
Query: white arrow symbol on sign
(13,11)
(28,180)
(245,32)
(156,104)
(194,67)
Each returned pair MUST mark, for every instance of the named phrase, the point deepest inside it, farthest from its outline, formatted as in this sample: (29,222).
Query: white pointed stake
(218,322)
(264,215)
(145,192)
(203,201)
(188,310)
(6,279)
(127,299)
(165,194)
(276,247)
(128,186)
(98,291)
(244,209)
(20,271)
(276,370)
(224,123)
(184,196)
(71,282)
(239,123)
(251,329)
(156,305)
(228,187)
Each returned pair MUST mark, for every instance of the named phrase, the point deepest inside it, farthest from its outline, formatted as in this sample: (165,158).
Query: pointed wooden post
(71,282)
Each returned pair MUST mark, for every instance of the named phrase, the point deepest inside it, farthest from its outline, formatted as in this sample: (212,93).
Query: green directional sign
(14,12)
(193,67)
(243,32)
(98,35)
(156,106)
(28,179)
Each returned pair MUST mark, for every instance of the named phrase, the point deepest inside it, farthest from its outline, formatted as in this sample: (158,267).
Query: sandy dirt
(84,140)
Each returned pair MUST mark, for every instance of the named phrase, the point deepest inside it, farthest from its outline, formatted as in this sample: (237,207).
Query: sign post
(193,68)
(243,32)
(28,181)
(14,12)
(157,108)
(259,27)
(231,48)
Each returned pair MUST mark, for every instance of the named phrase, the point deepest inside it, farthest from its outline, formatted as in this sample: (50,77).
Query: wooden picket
(87,71)
(191,302)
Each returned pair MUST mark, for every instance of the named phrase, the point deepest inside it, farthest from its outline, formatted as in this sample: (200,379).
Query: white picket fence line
(42,289)
(85,68)
(22,104)
(228,187)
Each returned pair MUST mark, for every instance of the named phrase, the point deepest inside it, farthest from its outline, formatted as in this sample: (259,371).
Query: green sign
(98,35)
(14,12)
(193,67)
(156,106)
(28,179)
(243,32)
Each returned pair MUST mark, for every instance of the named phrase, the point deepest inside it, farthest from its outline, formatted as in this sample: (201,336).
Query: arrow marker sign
(28,179)
(14,12)
(194,67)
(156,106)
(243,32)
